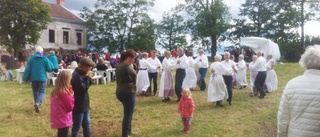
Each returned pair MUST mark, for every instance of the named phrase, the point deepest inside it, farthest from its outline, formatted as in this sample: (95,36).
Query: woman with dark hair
(126,81)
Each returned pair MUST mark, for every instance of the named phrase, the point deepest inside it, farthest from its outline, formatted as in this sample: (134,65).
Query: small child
(186,108)
(61,104)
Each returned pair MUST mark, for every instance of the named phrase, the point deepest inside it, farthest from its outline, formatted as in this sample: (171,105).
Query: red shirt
(186,107)
(107,56)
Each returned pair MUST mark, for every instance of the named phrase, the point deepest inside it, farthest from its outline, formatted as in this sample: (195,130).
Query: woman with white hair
(166,81)
(36,72)
(217,90)
(271,79)
(143,82)
(299,108)
(253,75)
(241,73)
(190,81)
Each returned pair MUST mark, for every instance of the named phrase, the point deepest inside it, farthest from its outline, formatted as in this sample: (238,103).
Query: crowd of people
(137,73)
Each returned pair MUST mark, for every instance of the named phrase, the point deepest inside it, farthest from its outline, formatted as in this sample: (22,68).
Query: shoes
(37,108)
(262,96)
(229,101)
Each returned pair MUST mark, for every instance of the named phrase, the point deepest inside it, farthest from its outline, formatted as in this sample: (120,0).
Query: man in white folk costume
(217,90)
(190,81)
(241,73)
(202,61)
(153,72)
(253,75)
(181,65)
(143,82)
(227,76)
(260,66)
(272,79)
(166,81)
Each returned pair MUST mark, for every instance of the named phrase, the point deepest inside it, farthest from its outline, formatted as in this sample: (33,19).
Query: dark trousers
(63,132)
(154,77)
(128,101)
(180,74)
(259,82)
(228,82)
(203,72)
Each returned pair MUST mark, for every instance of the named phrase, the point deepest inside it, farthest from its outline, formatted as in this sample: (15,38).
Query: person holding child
(61,104)
(185,108)
(81,81)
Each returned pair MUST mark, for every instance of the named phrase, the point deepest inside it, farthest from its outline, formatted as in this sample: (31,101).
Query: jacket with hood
(37,68)
(54,60)
(186,107)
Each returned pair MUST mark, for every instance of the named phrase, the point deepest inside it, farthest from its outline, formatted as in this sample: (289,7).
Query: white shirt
(144,64)
(154,62)
(204,61)
(260,64)
(184,62)
(228,65)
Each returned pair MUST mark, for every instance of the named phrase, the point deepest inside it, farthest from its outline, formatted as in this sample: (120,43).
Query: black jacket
(80,85)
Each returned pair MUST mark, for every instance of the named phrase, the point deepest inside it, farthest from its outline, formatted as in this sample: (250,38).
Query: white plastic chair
(103,75)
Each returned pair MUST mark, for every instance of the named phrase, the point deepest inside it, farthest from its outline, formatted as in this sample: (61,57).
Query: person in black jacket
(81,81)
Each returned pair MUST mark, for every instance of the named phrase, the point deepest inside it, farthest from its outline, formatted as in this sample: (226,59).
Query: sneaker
(37,108)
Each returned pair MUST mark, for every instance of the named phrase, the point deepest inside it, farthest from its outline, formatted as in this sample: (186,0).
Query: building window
(51,36)
(79,39)
(65,37)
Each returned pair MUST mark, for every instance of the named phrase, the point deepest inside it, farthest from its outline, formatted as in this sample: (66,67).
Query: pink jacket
(186,107)
(61,111)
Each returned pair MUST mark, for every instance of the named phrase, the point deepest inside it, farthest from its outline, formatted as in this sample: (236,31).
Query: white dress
(241,73)
(253,75)
(190,81)
(271,79)
(143,82)
(217,89)
(166,81)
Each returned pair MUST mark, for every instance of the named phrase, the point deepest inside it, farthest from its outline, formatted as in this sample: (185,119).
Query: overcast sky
(160,6)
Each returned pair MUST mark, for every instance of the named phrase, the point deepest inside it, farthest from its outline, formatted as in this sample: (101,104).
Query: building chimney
(60,2)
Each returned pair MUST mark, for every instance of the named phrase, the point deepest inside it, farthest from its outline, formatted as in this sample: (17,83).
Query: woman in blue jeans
(126,81)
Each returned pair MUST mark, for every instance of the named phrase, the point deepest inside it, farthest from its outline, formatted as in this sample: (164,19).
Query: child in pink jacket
(186,108)
(61,104)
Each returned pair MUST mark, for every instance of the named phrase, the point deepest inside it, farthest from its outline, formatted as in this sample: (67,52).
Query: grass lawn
(248,116)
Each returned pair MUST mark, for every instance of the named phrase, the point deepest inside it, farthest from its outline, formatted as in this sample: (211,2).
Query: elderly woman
(299,108)
(253,75)
(271,79)
(166,82)
(242,73)
(217,90)
(125,91)
(143,82)
(190,81)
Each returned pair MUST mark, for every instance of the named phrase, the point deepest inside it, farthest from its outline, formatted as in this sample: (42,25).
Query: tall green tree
(113,20)
(21,23)
(209,18)
(172,30)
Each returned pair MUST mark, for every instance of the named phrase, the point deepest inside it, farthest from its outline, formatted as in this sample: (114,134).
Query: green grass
(248,116)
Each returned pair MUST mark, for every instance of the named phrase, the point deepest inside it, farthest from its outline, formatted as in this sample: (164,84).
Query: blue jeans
(203,72)
(128,101)
(81,119)
(38,87)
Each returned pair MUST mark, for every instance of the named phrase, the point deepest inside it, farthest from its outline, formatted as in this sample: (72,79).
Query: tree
(21,23)
(113,20)
(209,19)
(143,36)
(171,30)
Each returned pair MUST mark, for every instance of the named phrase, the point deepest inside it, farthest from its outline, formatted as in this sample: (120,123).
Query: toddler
(186,108)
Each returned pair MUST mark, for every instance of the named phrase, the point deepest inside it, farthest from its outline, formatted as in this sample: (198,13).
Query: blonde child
(61,104)
(186,108)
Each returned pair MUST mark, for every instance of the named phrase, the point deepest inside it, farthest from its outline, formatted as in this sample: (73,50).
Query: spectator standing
(36,72)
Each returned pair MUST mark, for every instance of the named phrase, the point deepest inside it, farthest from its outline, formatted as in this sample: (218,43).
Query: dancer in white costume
(166,81)
(143,82)
(217,90)
(242,73)
(272,79)
(190,81)
(253,75)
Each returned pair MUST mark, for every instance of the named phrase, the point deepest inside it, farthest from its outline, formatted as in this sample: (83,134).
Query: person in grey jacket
(299,110)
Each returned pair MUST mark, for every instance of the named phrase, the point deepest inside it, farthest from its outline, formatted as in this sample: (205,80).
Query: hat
(85,61)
